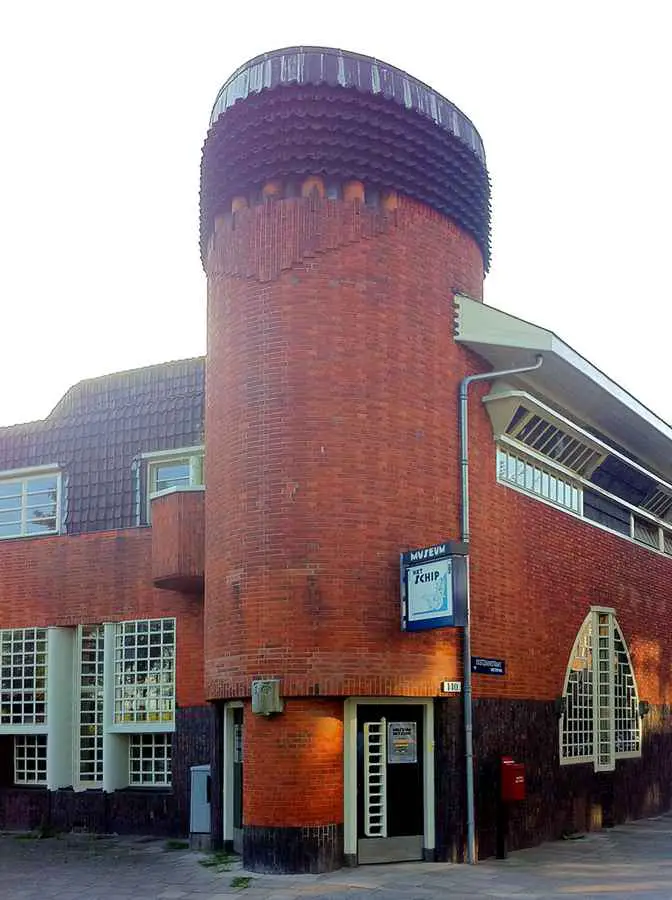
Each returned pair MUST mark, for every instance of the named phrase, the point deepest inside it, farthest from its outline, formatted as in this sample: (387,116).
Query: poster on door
(402,742)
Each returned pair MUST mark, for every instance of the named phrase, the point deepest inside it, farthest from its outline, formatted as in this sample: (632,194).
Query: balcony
(178,539)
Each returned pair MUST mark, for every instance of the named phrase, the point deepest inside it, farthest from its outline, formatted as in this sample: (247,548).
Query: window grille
(600,721)
(577,731)
(550,440)
(529,476)
(144,671)
(646,532)
(23,676)
(604,682)
(626,704)
(30,759)
(237,743)
(29,506)
(91,705)
(375,788)
(659,504)
(150,760)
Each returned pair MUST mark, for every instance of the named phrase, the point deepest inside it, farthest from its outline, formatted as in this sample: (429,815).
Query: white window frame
(161,745)
(95,693)
(23,727)
(114,690)
(539,479)
(23,477)
(194,456)
(603,666)
(35,746)
(508,446)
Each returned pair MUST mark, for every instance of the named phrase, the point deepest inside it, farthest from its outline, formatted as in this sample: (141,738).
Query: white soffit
(566,378)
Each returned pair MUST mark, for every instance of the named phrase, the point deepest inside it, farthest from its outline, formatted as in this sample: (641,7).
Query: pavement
(629,861)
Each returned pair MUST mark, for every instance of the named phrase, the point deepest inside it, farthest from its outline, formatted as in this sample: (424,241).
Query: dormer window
(30,502)
(171,470)
(175,472)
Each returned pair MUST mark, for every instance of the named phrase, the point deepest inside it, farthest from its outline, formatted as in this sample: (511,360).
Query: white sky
(104,108)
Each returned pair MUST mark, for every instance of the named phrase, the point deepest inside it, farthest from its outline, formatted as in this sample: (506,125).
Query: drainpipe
(466,650)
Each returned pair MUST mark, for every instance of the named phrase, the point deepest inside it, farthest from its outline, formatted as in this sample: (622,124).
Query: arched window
(600,720)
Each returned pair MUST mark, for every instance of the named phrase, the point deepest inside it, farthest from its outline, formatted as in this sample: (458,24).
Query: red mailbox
(512,780)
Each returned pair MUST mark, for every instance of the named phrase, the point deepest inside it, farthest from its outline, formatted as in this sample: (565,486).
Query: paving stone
(630,861)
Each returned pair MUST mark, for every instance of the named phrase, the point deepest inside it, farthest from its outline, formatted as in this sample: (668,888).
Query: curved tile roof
(324,65)
(316,111)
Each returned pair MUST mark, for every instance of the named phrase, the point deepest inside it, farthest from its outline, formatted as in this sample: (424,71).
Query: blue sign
(433,587)
(488,666)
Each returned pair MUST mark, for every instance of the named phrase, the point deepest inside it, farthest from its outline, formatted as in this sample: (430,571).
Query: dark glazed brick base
(159,811)
(560,799)
(313,849)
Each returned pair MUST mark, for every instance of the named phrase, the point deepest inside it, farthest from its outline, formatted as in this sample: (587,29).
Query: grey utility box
(199,821)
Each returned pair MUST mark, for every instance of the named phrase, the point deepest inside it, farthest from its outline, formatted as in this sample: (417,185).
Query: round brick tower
(343,203)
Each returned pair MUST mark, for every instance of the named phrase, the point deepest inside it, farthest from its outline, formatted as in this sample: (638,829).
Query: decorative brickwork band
(262,241)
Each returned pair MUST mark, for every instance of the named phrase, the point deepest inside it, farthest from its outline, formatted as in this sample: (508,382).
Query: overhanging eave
(566,380)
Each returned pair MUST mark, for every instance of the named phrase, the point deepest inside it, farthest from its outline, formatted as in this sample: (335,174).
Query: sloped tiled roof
(99,429)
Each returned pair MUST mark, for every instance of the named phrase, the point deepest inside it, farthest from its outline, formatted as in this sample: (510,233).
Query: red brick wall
(293,770)
(100,577)
(178,539)
(332,445)
(535,573)
(330,422)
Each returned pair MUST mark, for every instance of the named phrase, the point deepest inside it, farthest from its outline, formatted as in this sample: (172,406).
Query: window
(179,469)
(646,532)
(150,760)
(23,677)
(30,759)
(29,505)
(144,672)
(91,659)
(606,512)
(530,476)
(578,495)
(600,721)
(551,440)
(542,452)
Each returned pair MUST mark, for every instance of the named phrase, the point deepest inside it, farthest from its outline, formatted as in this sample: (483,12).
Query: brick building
(345,236)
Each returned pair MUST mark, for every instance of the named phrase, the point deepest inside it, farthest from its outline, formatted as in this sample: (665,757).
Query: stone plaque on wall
(266,697)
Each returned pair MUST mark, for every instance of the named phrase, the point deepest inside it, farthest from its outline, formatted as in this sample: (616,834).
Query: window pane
(30,759)
(646,532)
(150,759)
(23,676)
(171,474)
(606,512)
(42,484)
(144,671)
(29,505)
(10,489)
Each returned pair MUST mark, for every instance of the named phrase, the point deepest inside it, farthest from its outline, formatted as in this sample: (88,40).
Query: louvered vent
(550,440)
(659,503)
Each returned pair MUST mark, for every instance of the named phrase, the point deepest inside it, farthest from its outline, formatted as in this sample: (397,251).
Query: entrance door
(390,820)
(237,779)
